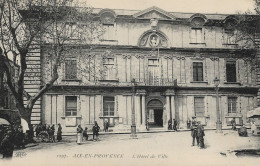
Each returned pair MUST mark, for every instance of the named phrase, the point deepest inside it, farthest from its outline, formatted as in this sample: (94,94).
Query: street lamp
(218,123)
(133,126)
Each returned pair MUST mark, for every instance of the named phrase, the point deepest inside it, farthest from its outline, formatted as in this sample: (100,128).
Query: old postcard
(129,83)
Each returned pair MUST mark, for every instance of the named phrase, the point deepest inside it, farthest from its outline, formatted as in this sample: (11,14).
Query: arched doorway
(155,113)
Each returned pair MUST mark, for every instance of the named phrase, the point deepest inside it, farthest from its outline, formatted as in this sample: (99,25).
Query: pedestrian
(194,134)
(188,123)
(7,146)
(174,124)
(233,123)
(95,130)
(59,133)
(200,135)
(79,134)
(52,133)
(106,125)
(169,124)
(19,137)
(85,133)
(253,127)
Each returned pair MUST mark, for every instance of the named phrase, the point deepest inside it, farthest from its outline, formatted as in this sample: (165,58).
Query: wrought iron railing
(155,82)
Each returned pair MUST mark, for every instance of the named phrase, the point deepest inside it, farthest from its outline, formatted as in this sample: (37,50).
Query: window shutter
(146,71)
(205,71)
(116,67)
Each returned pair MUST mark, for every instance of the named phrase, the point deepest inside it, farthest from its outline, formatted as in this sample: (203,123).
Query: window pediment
(154,12)
(107,16)
(197,20)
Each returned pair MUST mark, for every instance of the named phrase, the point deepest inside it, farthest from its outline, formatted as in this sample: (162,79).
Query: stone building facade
(160,64)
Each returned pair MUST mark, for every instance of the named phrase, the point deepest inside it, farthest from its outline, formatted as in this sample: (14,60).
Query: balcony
(156,82)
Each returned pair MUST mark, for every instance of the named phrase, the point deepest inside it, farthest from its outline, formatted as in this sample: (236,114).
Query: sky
(193,6)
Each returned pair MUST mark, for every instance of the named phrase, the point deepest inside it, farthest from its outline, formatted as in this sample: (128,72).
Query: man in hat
(200,135)
(194,132)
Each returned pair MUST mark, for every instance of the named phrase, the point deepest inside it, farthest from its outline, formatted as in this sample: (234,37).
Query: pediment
(154,12)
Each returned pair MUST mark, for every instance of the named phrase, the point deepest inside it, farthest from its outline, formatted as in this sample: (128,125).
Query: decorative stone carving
(153,39)
(125,56)
(168,57)
(180,58)
(214,58)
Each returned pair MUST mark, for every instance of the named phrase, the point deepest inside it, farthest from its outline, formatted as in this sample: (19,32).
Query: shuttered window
(71,69)
(108,105)
(197,71)
(232,104)
(109,69)
(109,32)
(231,71)
(154,71)
(199,106)
(196,35)
(71,106)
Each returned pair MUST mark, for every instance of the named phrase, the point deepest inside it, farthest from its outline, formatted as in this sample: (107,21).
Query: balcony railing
(155,82)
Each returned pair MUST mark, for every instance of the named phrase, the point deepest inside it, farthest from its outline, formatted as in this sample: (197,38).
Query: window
(154,71)
(71,106)
(110,70)
(70,69)
(196,35)
(197,71)
(109,32)
(231,71)
(229,37)
(232,104)
(71,30)
(108,105)
(199,106)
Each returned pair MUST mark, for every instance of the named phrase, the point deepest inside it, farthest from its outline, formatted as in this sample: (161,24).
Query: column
(170,105)
(143,111)
(137,110)
(168,108)
(173,107)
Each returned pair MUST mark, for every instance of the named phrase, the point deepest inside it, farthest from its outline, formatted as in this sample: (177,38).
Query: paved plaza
(164,148)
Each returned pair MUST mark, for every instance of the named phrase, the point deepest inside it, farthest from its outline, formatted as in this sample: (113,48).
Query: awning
(254,113)
(4,122)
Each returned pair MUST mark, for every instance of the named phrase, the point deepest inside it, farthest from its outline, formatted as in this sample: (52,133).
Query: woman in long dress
(59,133)
(79,134)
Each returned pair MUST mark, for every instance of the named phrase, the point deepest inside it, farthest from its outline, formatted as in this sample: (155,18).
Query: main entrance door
(155,113)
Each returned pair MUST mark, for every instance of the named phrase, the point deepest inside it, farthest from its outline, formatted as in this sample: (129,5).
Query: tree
(45,22)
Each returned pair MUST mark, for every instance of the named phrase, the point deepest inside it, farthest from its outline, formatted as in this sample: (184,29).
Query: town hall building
(149,67)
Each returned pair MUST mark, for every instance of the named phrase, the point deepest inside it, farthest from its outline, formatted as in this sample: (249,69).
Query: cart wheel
(44,136)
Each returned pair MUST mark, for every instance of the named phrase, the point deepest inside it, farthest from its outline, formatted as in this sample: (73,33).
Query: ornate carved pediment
(153,39)
(154,12)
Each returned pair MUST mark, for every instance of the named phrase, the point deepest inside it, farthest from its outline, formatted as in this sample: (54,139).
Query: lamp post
(133,126)
(218,123)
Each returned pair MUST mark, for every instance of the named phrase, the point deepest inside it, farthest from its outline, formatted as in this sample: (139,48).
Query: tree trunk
(26,115)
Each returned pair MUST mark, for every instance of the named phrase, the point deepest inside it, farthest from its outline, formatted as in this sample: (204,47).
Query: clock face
(154,40)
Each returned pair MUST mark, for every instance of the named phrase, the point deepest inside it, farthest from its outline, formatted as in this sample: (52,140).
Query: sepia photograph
(129,82)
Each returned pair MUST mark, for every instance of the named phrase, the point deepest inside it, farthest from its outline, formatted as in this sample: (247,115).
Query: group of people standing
(50,130)
(83,133)
(172,125)
(197,133)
